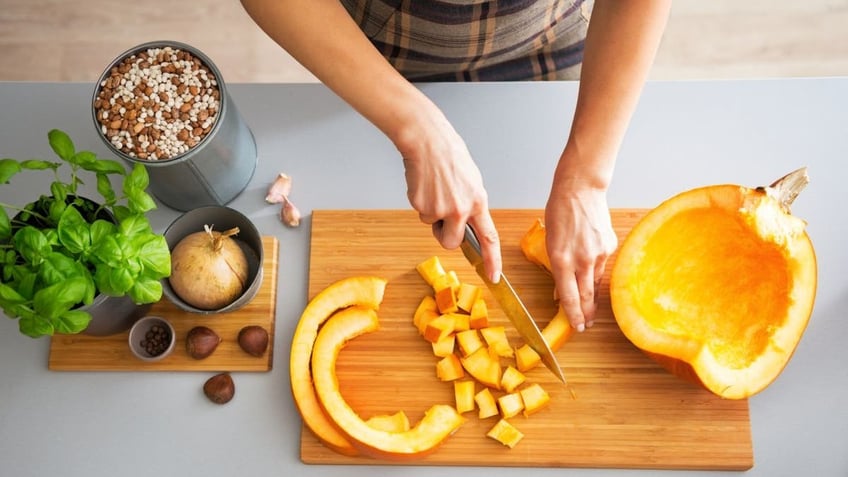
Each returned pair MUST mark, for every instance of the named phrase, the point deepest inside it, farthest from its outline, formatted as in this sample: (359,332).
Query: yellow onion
(208,269)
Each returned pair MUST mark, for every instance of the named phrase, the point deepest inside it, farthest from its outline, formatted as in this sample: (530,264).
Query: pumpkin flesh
(717,284)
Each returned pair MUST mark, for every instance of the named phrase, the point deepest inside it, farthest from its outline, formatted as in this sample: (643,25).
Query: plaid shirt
(477,40)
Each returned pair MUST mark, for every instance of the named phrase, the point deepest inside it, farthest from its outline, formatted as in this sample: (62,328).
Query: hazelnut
(253,339)
(201,342)
(220,388)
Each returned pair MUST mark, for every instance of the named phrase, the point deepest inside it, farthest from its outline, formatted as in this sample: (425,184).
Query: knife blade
(511,304)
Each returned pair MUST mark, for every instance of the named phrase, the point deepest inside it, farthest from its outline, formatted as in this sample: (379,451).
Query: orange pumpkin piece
(449,368)
(483,367)
(535,398)
(464,395)
(362,291)
(718,283)
(505,433)
(438,423)
(397,422)
(486,404)
(510,405)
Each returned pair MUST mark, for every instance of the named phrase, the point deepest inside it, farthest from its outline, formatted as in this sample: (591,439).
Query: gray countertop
(683,135)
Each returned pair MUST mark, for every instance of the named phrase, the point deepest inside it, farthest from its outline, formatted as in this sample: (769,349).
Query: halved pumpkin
(718,283)
(358,290)
(438,423)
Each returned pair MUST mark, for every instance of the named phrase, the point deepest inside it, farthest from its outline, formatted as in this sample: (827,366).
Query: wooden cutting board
(625,411)
(112,353)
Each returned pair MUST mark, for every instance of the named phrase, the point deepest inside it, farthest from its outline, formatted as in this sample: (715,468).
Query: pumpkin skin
(717,284)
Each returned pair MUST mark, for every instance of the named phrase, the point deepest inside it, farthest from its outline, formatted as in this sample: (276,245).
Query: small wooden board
(111,353)
(626,412)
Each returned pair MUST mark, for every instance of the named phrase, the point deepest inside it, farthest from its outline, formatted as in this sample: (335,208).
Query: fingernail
(581,328)
(496,277)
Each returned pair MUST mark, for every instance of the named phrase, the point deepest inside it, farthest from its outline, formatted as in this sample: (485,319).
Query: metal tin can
(212,172)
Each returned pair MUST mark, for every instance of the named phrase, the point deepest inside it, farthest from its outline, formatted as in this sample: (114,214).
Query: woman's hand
(446,188)
(579,240)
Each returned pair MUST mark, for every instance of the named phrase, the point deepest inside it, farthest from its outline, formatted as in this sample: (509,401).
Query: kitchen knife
(511,304)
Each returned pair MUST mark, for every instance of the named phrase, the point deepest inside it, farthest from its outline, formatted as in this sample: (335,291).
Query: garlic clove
(289,214)
(280,189)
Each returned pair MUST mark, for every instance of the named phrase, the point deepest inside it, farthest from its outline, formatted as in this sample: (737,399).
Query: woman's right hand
(446,188)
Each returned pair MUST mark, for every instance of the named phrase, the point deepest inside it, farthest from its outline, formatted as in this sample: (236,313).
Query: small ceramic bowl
(152,338)
(220,218)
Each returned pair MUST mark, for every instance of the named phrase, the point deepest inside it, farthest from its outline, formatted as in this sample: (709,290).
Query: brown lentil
(157,104)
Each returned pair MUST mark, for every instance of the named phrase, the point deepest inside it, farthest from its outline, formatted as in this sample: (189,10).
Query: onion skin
(208,269)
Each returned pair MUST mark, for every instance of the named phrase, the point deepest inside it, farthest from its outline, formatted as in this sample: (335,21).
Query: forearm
(322,36)
(621,44)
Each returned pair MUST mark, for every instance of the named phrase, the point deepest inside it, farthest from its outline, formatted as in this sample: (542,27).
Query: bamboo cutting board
(625,411)
(112,353)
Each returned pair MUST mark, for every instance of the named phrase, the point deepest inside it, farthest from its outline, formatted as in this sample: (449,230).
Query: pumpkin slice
(718,283)
(359,290)
(438,423)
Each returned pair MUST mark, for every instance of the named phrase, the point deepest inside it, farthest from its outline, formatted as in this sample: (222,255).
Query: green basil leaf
(155,257)
(72,322)
(104,187)
(113,281)
(146,290)
(10,296)
(61,144)
(74,232)
(31,244)
(83,159)
(56,268)
(8,168)
(106,166)
(140,201)
(134,226)
(137,180)
(5,226)
(53,301)
(40,165)
(100,229)
(107,251)
(35,326)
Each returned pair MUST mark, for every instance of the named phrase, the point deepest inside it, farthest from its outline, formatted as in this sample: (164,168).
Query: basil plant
(60,251)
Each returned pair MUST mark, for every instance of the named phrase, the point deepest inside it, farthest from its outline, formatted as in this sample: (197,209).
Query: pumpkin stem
(787,188)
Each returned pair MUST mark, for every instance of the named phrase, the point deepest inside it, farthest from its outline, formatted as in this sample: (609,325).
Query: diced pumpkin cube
(505,433)
(460,321)
(448,280)
(439,328)
(510,405)
(558,330)
(495,337)
(397,422)
(464,395)
(449,368)
(466,295)
(426,308)
(535,398)
(444,346)
(479,318)
(511,379)
(486,404)
(469,341)
(431,269)
(446,300)
(526,358)
(424,318)
(483,367)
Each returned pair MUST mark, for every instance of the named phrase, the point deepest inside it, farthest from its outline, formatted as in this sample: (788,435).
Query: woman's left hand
(579,240)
